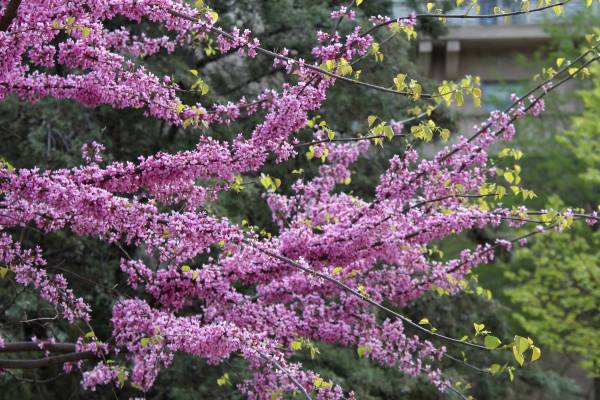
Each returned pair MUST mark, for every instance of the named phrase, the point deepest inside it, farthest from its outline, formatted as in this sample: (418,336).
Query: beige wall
(487,51)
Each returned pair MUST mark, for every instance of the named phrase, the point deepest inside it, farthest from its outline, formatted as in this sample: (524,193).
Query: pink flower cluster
(344,12)
(535,108)
(28,267)
(239,40)
(92,152)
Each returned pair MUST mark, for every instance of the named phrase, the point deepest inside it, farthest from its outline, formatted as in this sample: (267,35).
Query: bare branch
(47,361)
(31,346)
(37,381)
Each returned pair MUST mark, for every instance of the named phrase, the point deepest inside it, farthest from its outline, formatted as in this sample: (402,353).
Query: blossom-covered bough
(339,268)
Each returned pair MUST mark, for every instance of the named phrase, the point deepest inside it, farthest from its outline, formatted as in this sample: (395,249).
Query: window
(400,8)
(496,95)
(487,7)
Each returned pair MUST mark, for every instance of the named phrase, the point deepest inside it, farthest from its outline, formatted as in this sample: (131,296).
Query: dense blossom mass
(334,255)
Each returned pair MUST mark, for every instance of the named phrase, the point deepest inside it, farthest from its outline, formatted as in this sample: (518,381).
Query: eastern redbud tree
(338,269)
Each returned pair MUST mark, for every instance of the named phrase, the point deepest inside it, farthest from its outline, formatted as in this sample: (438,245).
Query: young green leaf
(491,342)
(536,353)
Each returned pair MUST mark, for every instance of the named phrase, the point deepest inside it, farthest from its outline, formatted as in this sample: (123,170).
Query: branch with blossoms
(337,259)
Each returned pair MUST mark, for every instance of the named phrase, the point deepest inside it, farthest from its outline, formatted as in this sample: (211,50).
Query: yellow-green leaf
(266,181)
(388,132)
(491,342)
(85,31)
(224,380)
(276,395)
(494,369)
(371,120)
(296,345)
(361,351)
(445,134)
(318,382)
(557,10)
(522,344)
(121,377)
(399,82)
(518,356)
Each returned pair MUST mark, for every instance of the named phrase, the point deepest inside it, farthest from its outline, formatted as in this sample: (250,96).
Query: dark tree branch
(9,14)
(47,361)
(30,346)
(37,381)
